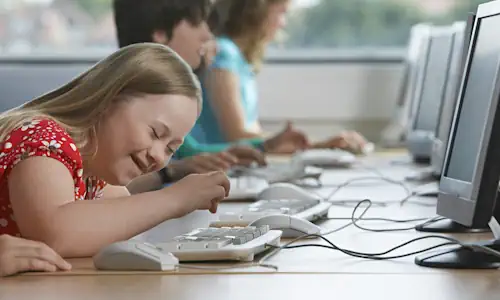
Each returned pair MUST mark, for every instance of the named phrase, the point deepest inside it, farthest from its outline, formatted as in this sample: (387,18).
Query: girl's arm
(192,147)
(224,91)
(42,197)
(145,183)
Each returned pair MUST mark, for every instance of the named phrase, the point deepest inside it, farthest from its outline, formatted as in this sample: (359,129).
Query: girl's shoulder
(227,48)
(229,55)
(39,137)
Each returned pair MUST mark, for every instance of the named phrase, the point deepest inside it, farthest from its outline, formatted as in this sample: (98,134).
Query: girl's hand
(288,141)
(350,141)
(198,191)
(21,255)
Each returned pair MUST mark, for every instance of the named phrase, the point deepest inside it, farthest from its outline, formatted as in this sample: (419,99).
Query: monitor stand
(459,257)
(449,226)
(422,160)
(426,175)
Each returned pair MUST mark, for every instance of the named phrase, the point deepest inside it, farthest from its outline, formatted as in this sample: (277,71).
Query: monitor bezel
(452,89)
(436,33)
(471,203)
(418,75)
(417,34)
(457,64)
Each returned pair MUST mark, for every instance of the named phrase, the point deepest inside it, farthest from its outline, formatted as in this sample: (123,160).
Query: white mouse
(326,157)
(285,190)
(133,255)
(291,227)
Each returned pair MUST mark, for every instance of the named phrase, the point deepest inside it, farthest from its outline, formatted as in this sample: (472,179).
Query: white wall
(324,98)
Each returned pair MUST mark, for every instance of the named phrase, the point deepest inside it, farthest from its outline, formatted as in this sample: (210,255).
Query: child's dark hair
(137,20)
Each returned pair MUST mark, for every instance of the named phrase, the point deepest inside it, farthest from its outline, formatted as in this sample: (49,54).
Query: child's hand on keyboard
(350,141)
(202,163)
(247,155)
(288,141)
(199,191)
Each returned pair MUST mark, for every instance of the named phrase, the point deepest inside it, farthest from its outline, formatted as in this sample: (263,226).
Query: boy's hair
(137,20)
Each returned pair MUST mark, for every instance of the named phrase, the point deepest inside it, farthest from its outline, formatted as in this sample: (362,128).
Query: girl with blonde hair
(87,140)
(244,28)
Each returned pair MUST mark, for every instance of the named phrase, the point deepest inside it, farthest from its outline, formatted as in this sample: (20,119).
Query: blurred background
(342,55)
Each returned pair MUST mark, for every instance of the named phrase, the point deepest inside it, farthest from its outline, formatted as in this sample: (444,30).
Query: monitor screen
(434,83)
(466,139)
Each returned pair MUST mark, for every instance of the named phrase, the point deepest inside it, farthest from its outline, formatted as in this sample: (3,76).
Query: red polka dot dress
(45,138)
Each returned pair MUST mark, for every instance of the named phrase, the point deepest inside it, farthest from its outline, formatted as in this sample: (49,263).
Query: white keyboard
(326,158)
(214,244)
(246,187)
(309,209)
(273,173)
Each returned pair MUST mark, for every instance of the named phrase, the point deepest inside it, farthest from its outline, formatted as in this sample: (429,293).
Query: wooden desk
(449,286)
(325,261)
(302,273)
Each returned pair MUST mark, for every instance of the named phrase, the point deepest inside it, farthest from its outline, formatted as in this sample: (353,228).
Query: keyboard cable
(408,193)
(355,220)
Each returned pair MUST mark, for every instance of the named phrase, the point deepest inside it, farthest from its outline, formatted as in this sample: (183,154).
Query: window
(56,26)
(365,23)
(86,26)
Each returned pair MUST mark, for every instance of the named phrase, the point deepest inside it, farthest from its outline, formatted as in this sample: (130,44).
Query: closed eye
(154,134)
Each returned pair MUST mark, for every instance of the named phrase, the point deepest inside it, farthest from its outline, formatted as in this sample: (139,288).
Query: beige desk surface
(301,272)
(451,286)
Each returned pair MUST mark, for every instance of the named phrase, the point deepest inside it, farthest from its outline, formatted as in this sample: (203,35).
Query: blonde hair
(78,106)
(244,20)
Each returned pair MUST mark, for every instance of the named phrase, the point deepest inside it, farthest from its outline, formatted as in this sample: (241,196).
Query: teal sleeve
(255,142)
(192,147)
(228,55)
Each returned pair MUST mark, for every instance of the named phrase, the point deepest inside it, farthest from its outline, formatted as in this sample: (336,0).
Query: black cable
(375,256)
(355,220)
(348,182)
(378,219)
(346,225)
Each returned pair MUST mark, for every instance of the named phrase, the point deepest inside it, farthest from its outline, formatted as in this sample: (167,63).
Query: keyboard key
(239,240)
(213,238)
(281,206)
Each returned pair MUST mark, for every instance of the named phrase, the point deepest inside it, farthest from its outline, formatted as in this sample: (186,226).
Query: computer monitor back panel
(425,119)
(471,171)
(460,46)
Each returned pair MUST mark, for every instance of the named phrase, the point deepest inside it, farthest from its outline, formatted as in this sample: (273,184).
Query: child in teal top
(244,28)
(230,58)
(192,147)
